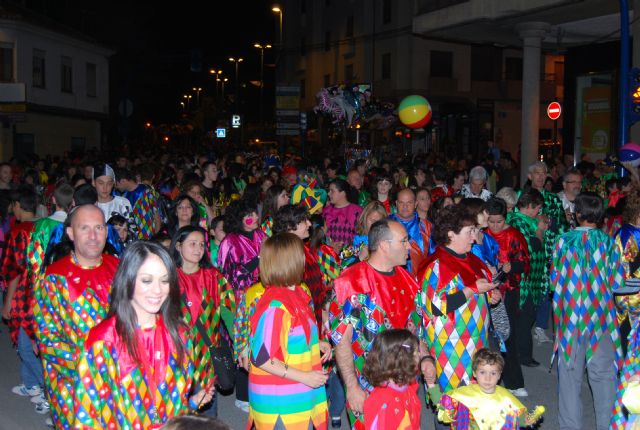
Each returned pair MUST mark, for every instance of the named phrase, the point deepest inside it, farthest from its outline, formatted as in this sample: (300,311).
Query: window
(327,41)
(348,73)
(91,80)
(6,62)
(513,68)
(66,75)
(441,64)
(386,11)
(302,88)
(386,66)
(38,72)
(303,46)
(327,81)
(349,27)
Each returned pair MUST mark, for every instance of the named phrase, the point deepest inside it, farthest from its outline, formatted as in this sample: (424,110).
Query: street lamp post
(188,98)
(217,74)
(261,48)
(222,84)
(237,62)
(197,90)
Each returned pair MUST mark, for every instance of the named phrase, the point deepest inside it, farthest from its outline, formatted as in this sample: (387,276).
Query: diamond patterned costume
(371,302)
(40,241)
(69,301)
(628,243)
(630,367)
(534,285)
(329,263)
(144,201)
(204,293)
(586,270)
(14,265)
(113,391)
(454,336)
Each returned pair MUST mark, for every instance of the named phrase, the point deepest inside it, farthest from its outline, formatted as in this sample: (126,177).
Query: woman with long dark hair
(135,369)
(185,211)
(275,197)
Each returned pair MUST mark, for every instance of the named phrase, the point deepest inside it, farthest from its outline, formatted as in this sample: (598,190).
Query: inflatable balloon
(414,111)
(630,153)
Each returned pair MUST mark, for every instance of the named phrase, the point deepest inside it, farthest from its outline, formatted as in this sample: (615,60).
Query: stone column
(531,34)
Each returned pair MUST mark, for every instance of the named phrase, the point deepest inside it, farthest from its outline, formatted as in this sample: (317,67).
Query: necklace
(74,258)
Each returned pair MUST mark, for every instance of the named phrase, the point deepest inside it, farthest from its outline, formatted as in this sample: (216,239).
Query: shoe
(49,422)
(520,392)
(532,363)
(243,406)
(23,391)
(541,335)
(336,422)
(38,399)
(43,408)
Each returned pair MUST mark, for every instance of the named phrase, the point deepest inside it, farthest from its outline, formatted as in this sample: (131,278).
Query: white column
(531,34)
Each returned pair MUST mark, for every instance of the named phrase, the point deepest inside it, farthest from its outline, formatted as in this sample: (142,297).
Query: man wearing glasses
(571,187)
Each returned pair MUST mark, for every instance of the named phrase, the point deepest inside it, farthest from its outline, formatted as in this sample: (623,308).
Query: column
(531,34)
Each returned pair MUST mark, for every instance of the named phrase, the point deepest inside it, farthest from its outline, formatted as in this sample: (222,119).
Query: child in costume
(485,405)
(392,368)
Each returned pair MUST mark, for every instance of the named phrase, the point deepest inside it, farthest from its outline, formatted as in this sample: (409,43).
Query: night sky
(154,40)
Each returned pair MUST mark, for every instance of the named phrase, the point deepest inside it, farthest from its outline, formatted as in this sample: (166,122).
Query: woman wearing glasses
(454,305)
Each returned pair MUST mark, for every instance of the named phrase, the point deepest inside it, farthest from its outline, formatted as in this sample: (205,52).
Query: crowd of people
(139,290)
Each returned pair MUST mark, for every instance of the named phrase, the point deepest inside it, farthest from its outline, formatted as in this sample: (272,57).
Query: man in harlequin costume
(356,180)
(43,229)
(586,270)
(419,231)
(371,296)
(144,201)
(71,297)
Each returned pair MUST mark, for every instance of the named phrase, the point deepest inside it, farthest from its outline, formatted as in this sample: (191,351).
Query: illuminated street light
(197,90)
(237,62)
(261,47)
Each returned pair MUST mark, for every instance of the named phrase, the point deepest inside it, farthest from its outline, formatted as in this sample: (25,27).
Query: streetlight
(223,81)
(217,73)
(197,90)
(188,98)
(277,9)
(237,62)
(261,48)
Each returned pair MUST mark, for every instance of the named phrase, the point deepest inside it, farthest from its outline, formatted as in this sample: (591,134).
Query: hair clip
(406,345)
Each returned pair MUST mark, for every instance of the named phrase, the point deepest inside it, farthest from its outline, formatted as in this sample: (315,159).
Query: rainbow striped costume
(203,295)
(69,301)
(113,391)
(455,335)
(283,328)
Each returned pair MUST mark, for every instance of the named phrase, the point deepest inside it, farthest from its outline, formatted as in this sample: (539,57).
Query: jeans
(335,394)
(542,317)
(31,370)
(211,409)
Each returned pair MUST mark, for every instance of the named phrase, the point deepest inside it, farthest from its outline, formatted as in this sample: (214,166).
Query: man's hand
(355,398)
(428,369)
(482,285)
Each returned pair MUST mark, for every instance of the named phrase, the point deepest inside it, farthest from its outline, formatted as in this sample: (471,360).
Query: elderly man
(371,296)
(356,180)
(419,231)
(571,187)
(476,186)
(70,299)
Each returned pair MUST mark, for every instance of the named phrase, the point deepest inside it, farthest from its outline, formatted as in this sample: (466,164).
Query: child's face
(123,231)
(218,232)
(487,376)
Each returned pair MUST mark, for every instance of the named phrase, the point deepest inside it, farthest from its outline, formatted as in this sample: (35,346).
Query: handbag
(224,366)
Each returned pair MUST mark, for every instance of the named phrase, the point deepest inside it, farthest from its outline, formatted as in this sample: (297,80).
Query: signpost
(554,110)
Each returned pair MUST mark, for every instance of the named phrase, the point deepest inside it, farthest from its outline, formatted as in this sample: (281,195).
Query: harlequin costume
(144,201)
(371,302)
(267,226)
(534,285)
(204,293)
(419,232)
(440,191)
(469,408)
(453,335)
(623,415)
(69,301)
(628,243)
(329,263)
(393,407)
(13,266)
(113,391)
(283,328)
(40,240)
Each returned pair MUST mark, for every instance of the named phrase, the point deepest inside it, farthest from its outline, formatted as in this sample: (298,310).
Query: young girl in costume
(485,405)
(392,368)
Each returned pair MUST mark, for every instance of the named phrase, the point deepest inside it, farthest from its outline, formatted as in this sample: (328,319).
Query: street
(17,413)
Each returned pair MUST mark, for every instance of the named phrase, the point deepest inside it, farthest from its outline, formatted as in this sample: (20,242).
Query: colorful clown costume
(114,391)
(40,241)
(624,416)
(371,302)
(453,335)
(393,407)
(628,243)
(204,293)
(69,301)
(144,201)
(283,328)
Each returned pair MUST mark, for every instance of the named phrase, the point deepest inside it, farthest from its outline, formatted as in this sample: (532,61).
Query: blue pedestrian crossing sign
(221,133)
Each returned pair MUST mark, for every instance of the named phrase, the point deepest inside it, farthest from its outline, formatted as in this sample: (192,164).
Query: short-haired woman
(135,369)
(285,350)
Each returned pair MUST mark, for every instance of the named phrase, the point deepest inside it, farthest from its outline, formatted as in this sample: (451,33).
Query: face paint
(248,221)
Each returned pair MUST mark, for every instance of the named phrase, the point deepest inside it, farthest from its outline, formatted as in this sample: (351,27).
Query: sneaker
(243,406)
(49,422)
(541,335)
(336,422)
(520,392)
(23,391)
(43,408)
(38,399)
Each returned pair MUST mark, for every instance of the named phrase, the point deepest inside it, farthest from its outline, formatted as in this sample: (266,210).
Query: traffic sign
(235,121)
(221,133)
(554,110)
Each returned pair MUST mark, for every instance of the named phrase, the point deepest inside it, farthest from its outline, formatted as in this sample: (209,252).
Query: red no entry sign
(554,110)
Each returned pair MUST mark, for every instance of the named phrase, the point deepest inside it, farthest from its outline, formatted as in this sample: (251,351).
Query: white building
(63,80)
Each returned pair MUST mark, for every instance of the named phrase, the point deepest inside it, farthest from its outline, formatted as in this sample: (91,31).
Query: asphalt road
(17,413)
